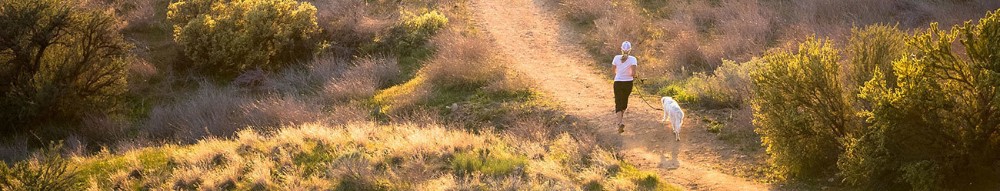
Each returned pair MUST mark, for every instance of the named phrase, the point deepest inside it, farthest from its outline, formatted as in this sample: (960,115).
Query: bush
(931,117)
(939,125)
(417,28)
(229,37)
(873,48)
(408,39)
(58,62)
(800,110)
(729,86)
(49,171)
(679,93)
(464,62)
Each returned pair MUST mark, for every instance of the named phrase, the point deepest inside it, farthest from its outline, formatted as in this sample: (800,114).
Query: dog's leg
(677,126)
(664,119)
(677,134)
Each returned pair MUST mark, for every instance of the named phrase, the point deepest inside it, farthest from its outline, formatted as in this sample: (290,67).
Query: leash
(639,93)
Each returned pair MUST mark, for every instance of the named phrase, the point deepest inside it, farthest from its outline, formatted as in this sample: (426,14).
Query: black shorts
(622,90)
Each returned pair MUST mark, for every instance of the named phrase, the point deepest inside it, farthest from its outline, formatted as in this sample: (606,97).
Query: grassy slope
(365,155)
(376,157)
(370,157)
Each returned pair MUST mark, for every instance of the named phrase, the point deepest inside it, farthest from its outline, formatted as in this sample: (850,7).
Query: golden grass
(365,156)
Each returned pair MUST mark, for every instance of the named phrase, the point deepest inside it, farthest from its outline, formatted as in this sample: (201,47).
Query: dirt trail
(546,50)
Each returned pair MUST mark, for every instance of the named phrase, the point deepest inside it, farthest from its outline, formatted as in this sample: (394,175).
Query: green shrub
(800,110)
(713,125)
(938,126)
(50,171)
(679,93)
(420,27)
(930,112)
(728,86)
(486,163)
(872,51)
(873,48)
(58,62)
(229,37)
(409,38)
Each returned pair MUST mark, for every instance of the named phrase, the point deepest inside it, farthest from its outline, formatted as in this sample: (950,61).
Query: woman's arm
(631,71)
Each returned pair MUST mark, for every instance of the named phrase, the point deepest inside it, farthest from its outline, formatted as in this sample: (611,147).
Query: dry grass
(361,81)
(366,156)
(745,32)
(210,111)
(265,101)
(464,61)
(14,149)
(353,23)
(306,80)
(103,128)
(279,111)
(139,73)
(461,69)
(628,24)
(135,13)
(675,39)
(584,11)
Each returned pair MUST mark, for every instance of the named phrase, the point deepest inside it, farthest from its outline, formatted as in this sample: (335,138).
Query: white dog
(672,111)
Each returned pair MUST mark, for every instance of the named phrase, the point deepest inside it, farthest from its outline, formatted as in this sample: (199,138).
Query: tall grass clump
(363,80)
(227,38)
(58,62)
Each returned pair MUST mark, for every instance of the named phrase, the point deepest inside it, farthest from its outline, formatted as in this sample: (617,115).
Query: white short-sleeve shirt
(620,74)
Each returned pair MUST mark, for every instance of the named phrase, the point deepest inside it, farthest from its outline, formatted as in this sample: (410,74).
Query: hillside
(367,156)
(497,95)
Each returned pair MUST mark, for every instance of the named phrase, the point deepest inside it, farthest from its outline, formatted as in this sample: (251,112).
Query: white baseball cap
(626,46)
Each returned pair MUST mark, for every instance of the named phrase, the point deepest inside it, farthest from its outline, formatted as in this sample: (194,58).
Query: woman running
(624,66)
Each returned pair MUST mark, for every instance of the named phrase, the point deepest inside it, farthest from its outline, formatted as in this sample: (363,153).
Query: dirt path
(545,50)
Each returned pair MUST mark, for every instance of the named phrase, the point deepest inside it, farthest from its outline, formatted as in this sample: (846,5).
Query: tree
(58,61)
